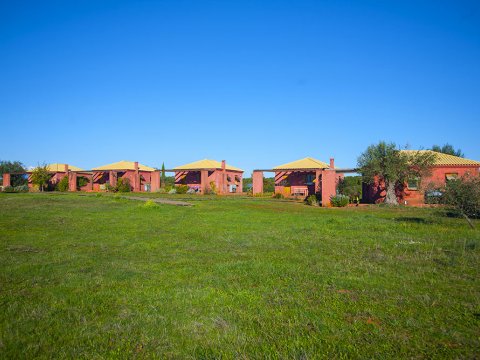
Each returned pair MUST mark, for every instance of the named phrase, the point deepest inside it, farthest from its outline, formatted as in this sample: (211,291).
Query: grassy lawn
(87,276)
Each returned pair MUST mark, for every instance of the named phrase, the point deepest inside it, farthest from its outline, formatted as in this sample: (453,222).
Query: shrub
(213,188)
(182,189)
(278,196)
(21,189)
(464,195)
(123,185)
(172,191)
(62,185)
(191,191)
(339,200)
(312,200)
(82,181)
(150,204)
(8,189)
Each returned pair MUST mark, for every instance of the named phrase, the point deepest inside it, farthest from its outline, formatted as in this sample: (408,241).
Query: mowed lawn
(91,277)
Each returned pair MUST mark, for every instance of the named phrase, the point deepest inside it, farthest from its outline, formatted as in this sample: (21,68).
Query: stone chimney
(332,163)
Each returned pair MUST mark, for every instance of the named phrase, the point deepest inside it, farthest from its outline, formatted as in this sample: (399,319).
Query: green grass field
(96,277)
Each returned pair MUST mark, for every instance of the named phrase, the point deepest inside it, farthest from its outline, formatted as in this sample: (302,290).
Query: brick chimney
(66,168)
(223,165)
(332,163)
(136,165)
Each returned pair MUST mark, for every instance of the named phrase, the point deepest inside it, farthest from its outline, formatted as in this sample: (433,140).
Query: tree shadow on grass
(415,220)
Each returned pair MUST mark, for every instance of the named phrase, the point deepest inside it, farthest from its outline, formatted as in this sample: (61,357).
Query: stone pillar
(154,181)
(204,185)
(72,181)
(223,179)
(112,178)
(329,186)
(136,182)
(241,184)
(6,180)
(257,182)
(318,174)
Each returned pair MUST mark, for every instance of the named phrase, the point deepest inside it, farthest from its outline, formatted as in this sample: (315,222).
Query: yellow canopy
(206,164)
(306,163)
(124,165)
(61,167)
(445,159)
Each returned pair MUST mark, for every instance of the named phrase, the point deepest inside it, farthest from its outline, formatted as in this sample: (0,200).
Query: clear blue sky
(257,83)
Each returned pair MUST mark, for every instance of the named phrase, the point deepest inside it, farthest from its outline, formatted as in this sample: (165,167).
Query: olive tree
(387,165)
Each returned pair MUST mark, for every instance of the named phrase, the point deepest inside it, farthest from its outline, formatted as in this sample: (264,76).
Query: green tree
(40,176)
(63,185)
(269,184)
(463,195)
(247,182)
(164,179)
(448,149)
(351,186)
(386,164)
(12,167)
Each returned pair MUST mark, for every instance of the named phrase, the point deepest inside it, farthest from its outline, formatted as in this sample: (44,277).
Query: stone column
(136,185)
(329,186)
(6,180)
(72,181)
(257,182)
(204,185)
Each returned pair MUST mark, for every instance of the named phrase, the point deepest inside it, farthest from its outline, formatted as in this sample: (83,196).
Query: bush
(82,181)
(182,189)
(312,200)
(62,185)
(150,204)
(191,191)
(21,189)
(172,191)
(339,200)
(278,196)
(8,189)
(123,185)
(464,195)
(213,188)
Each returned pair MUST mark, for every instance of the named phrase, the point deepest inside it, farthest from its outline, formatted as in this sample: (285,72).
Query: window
(412,184)
(309,179)
(451,176)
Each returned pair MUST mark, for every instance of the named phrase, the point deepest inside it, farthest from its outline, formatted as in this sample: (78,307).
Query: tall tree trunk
(391,198)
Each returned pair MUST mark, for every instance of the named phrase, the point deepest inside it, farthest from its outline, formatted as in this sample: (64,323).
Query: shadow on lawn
(416,220)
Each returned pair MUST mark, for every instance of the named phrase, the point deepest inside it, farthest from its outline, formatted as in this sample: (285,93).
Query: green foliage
(21,189)
(12,167)
(339,200)
(62,185)
(278,196)
(8,189)
(150,204)
(387,164)
(40,176)
(163,178)
(81,182)
(123,185)
(448,149)
(463,194)
(269,184)
(247,182)
(213,188)
(312,200)
(351,186)
(181,189)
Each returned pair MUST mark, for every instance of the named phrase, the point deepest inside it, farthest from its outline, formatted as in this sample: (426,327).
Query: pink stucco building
(141,177)
(210,175)
(302,177)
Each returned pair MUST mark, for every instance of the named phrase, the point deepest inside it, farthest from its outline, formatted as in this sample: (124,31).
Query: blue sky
(258,83)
